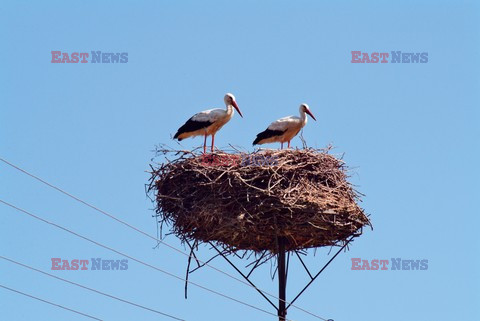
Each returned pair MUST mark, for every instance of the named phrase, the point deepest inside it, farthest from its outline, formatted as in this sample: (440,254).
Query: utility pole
(282,280)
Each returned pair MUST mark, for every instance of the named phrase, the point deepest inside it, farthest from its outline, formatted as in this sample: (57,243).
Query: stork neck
(230,110)
(303,117)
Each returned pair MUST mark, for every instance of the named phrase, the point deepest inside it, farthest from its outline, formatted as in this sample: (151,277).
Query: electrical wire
(51,303)
(137,260)
(90,289)
(150,236)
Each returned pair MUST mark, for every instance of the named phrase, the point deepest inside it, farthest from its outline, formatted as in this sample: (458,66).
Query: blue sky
(410,131)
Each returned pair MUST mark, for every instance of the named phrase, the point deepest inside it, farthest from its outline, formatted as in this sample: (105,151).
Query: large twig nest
(248,201)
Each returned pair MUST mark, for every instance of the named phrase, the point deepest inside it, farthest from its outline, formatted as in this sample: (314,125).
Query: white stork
(208,122)
(284,129)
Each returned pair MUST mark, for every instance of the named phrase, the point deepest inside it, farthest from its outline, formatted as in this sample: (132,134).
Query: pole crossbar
(256,263)
(243,275)
(304,266)
(319,272)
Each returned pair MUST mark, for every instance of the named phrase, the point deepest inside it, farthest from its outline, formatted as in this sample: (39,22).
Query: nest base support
(282,270)
(246,277)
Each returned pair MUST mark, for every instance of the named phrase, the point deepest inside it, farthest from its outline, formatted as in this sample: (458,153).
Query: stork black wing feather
(191,126)
(267,134)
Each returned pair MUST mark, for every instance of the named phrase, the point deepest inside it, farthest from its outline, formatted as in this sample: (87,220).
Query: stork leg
(288,144)
(281,145)
(205,144)
(213,141)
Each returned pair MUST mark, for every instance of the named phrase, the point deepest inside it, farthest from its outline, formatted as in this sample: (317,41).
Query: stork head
(230,101)
(305,109)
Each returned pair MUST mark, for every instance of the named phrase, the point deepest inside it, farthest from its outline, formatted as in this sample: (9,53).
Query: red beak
(234,103)
(311,115)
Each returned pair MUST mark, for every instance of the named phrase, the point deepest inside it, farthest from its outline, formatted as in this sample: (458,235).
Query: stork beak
(311,115)
(234,103)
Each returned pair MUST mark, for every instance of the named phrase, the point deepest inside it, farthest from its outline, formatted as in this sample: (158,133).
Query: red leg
(288,144)
(281,146)
(213,141)
(205,144)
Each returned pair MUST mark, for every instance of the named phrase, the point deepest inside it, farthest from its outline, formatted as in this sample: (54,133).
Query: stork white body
(284,129)
(208,122)
(215,117)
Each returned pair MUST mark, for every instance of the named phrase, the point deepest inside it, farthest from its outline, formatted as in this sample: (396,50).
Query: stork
(284,129)
(208,122)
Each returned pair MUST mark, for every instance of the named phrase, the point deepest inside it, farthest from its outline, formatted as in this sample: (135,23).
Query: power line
(51,303)
(136,260)
(90,289)
(150,236)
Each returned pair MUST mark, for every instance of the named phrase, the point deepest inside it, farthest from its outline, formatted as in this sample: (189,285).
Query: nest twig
(302,196)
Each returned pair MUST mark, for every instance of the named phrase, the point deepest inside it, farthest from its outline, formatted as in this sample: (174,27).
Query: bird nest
(247,201)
